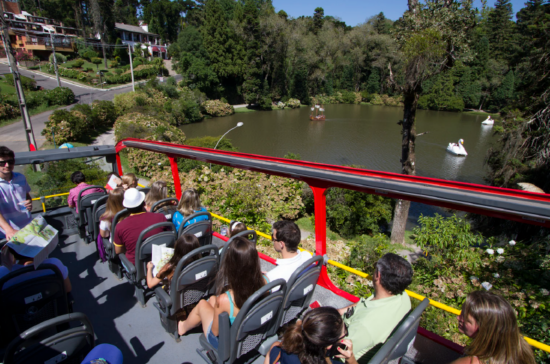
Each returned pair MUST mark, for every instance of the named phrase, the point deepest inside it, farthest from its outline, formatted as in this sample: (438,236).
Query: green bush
(293,103)
(89,54)
(104,113)
(59,57)
(217,108)
(7,111)
(78,63)
(265,103)
(113,64)
(60,96)
(97,61)
(26,82)
(37,98)
(118,71)
(65,126)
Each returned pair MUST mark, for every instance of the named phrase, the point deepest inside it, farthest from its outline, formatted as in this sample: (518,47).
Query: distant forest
(244,51)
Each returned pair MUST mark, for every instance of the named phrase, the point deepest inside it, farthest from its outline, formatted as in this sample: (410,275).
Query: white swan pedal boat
(457,148)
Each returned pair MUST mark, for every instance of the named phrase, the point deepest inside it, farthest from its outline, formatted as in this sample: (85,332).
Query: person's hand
(150,266)
(28,204)
(10,232)
(346,354)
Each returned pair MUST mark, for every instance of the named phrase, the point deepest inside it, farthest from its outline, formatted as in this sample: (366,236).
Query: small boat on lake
(457,148)
(319,113)
(488,121)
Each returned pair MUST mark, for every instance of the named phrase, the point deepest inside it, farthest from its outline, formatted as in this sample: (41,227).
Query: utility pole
(131,67)
(31,142)
(54,60)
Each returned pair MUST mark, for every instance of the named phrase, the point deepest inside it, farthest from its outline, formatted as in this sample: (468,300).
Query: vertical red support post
(320,201)
(119,164)
(175,176)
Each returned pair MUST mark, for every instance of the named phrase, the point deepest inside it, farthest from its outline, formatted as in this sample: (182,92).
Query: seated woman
(188,205)
(238,278)
(311,340)
(129,180)
(79,180)
(113,206)
(158,192)
(12,261)
(184,245)
(491,322)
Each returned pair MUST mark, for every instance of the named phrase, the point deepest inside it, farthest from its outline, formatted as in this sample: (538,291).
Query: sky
(355,12)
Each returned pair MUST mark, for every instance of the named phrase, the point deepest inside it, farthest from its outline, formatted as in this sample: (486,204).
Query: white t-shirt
(104,225)
(285,267)
(24,277)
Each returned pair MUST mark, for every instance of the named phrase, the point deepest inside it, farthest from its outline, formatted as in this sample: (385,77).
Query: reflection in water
(452,165)
(486,132)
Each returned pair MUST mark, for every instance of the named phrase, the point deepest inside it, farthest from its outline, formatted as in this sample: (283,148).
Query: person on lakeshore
(113,206)
(184,245)
(15,198)
(491,323)
(285,237)
(238,278)
(79,180)
(127,232)
(129,180)
(309,340)
(372,320)
(188,205)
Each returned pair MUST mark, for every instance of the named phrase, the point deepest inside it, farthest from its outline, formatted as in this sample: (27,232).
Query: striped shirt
(12,193)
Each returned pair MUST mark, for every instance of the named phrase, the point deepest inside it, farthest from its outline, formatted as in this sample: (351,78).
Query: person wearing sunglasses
(372,320)
(317,339)
(15,200)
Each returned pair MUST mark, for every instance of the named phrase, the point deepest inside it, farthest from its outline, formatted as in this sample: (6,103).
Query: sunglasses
(9,161)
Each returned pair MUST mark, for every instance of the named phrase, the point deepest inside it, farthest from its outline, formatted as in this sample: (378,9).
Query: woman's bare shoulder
(467,360)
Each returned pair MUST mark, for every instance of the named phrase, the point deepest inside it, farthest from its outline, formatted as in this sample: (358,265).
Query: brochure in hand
(113,183)
(36,240)
(160,256)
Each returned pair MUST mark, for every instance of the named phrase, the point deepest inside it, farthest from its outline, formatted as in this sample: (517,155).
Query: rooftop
(132,28)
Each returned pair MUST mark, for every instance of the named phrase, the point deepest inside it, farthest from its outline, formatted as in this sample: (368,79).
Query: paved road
(13,136)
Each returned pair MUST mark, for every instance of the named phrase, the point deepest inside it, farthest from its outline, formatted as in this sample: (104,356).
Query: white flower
(490,251)
(500,250)
(496,275)
(486,285)
(160,163)
(512,242)
(544,292)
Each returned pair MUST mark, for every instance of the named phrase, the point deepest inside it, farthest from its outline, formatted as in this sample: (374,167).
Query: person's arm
(28,202)
(70,200)
(67,284)
(153,281)
(466,360)
(104,233)
(222,305)
(119,247)
(276,343)
(10,232)
(343,310)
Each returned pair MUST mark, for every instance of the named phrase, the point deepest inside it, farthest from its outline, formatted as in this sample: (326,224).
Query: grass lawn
(6,89)
(244,110)
(494,115)
(39,110)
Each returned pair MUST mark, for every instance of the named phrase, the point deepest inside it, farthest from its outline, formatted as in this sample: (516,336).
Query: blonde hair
(114,204)
(130,180)
(498,340)
(158,192)
(189,202)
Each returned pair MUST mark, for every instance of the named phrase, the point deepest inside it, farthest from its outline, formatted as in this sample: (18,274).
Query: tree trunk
(103,46)
(408,162)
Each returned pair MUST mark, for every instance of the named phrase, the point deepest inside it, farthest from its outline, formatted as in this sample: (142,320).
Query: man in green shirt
(370,321)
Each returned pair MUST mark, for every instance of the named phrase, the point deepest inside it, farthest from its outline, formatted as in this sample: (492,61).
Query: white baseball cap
(133,198)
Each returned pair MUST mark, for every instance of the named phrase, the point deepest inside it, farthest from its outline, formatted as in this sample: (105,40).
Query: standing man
(286,237)
(371,321)
(15,201)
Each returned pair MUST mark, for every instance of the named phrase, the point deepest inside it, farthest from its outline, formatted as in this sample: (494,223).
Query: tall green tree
(164,17)
(252,86)
(318,19)
(501,30)
(432,36)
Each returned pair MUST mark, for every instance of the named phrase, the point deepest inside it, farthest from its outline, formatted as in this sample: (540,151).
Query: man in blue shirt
(15,201)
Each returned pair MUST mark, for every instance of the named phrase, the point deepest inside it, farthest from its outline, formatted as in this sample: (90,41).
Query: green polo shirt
(373,321)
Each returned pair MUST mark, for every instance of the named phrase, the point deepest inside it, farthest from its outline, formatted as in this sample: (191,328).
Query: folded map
(36,240)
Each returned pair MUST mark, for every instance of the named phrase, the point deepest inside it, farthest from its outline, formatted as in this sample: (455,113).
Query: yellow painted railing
(417,296)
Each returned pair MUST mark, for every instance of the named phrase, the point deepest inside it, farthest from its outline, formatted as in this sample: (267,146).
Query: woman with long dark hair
(184,245)
(317,339)
(238,278)
(491,322)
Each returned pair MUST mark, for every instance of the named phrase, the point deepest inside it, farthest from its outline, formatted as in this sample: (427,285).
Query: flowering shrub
(339,97)
(65,126)
(281,105)
(136,125)
(293,103)
(21,56)
(217,108)
(386,100)
(8,112)
(127,101)
(256,199)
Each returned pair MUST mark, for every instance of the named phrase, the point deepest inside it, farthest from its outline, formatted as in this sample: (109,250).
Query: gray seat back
(85,205)
(192,278)
(299,291)
(201,229)
(70,345)
(36,299)
(402,337)
(145,190)
(144,246)
(97,211)
(165,207)
(255,320)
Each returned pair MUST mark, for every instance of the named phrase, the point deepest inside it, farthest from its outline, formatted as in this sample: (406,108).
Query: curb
(62,79)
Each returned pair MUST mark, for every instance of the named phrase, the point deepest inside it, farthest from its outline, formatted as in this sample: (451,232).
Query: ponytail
(293,338)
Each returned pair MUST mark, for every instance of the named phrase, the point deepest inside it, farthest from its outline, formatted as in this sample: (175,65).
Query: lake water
(362,135)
